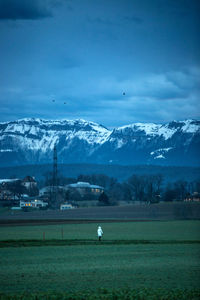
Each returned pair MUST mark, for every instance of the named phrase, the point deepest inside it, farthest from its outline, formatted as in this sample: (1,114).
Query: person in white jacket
(99,232)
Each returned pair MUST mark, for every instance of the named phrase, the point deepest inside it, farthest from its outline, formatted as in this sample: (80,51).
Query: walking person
(99,233)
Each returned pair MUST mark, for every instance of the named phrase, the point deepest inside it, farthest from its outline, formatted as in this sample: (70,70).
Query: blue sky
(85,54)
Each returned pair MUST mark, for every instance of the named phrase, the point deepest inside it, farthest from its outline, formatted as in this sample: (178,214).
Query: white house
(33,203)
(65,206)
(86,187)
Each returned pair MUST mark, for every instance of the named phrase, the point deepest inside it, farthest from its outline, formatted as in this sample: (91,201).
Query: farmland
(134,258)
(160,211)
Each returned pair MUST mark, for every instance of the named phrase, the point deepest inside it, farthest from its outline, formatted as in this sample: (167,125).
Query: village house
(195,197)
(14,190)
(29,182)
(7,195)
(66,206)
(86,188)
(36,203)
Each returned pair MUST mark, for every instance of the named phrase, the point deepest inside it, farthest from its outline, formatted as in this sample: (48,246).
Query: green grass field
(164,230)
(166,266)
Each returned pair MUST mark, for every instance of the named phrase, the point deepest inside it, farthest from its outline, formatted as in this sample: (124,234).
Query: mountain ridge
(31,140)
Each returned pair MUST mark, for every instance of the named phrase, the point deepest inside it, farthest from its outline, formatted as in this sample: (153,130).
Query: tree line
(140,188)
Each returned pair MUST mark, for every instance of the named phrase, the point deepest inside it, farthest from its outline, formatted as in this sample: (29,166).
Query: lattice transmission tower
(55,178)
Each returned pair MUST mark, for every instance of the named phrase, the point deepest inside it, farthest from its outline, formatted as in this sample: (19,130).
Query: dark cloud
(23,9)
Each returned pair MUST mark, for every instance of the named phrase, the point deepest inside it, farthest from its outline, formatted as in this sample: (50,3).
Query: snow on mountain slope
(37,134)
(175,143)
(150,129)
(32,141)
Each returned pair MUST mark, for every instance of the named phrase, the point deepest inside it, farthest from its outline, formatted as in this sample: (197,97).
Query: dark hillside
(119,172)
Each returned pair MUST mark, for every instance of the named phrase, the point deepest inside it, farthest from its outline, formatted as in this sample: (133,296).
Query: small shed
(66,206)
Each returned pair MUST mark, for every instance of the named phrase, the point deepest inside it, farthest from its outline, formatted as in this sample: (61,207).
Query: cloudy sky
(114,62)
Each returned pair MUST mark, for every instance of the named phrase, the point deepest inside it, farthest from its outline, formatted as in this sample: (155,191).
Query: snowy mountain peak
(191,126)
(36,134)
(165,130)
(31,140)
(38,121)
(148,128)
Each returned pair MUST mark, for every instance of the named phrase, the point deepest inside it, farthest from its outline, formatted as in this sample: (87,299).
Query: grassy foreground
(152,260)
(164,230)
(120,294)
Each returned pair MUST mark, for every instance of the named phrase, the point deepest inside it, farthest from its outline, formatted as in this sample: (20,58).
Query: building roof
(85,185)
(8,180)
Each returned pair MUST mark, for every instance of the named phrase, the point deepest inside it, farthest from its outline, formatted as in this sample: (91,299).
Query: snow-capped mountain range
(31,141)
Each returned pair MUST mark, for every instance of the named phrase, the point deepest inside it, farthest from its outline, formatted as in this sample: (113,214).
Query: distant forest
(121,173)
(140,188)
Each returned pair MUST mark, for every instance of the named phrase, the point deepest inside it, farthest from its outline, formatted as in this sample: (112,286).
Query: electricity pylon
(55,178)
